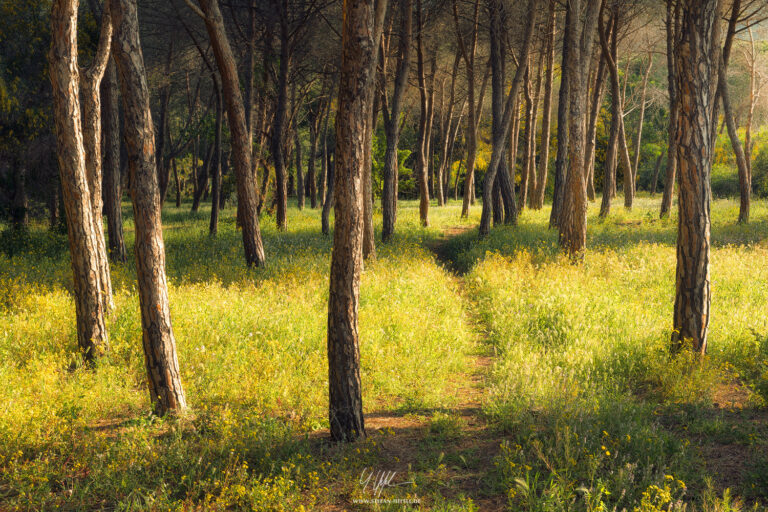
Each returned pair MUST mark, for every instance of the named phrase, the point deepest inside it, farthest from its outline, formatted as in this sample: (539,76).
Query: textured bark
(83,245)
(546,120)
(355,94)
(672,26)
(245,178)
(580,36)
(90,89)
(165,389)
(696,65)
(113,191)
(392,120)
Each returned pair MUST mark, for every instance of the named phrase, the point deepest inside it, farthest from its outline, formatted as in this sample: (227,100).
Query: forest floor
(496,374)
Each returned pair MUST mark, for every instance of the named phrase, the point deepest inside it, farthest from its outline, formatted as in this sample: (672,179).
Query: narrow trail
(467,446)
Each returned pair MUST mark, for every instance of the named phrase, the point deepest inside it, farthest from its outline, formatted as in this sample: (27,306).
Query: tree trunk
(311,174)
(113,192)
(246,183)
(503,114)
(163,170)
(640,122)
(91,329)
(213,227)
(696,65)
(369,244)
(573,220)
(561,161)
(90,87)
(420,169)
(20,202)
(598,92)
(392,120)
(655,179)
(672,25)
(359,45)
(299,171)
(278,126)
(165,389)
(541,179)
(329,198)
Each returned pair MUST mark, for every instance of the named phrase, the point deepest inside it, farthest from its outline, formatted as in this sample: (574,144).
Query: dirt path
(458,436)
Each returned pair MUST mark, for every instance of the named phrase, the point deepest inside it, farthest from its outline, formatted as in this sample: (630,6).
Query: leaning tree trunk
(90,81)
(696,71)
(241,149)
(741,161)
(165,389)
(83,245)
(358,65)
(113,191)
(213,227)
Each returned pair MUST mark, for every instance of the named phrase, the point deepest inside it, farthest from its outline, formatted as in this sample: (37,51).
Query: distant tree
(83,245)
(696,64)
(164,379)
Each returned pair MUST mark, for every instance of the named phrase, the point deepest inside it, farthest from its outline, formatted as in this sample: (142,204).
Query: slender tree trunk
(299,170)
(392,120)
(420,168)
(640,122)
(655,179)
(178,183)
(165,389)
(246,183)
(561,161)
(541,180)
(369,244)
(90,89)
(278,127)
(329,198)
(598,92)
(696,65)
(311,174)
(213,227)
(91,329)
(672,25)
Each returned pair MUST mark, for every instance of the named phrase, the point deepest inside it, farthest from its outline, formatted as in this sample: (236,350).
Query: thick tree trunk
(246,183)
(83,246)
(165,389)
(358,60)
(113,190)
(573,220)
(696,66)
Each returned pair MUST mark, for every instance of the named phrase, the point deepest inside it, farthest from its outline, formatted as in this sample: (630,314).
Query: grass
(581,407)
